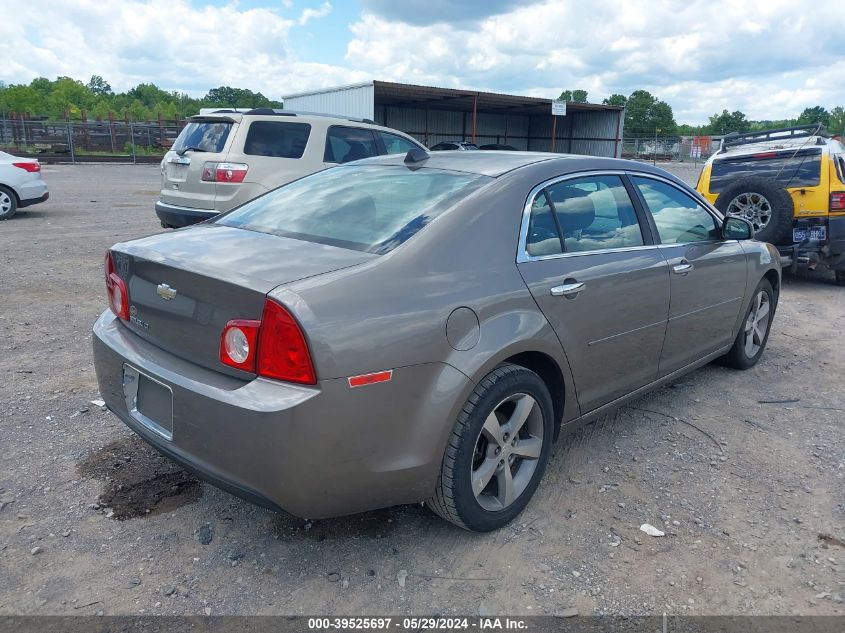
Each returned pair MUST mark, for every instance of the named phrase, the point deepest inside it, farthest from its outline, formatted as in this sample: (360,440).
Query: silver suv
(225,158)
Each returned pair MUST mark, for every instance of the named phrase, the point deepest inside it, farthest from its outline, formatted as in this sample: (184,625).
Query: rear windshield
(203,136)
(281,139)
(788,168)
(364,208)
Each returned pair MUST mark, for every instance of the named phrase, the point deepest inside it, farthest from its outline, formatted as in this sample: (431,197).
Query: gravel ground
(743,471)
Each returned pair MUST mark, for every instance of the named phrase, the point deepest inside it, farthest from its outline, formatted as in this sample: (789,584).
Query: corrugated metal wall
(352,101)
(578,132)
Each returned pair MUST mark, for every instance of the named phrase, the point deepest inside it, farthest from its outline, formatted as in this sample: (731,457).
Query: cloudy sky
(768,58)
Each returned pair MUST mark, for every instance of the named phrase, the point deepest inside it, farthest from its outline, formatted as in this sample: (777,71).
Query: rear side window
(344,144)
(203,136)
(395,144)
(275,138)
(583,214)
(366,208)
(801,168)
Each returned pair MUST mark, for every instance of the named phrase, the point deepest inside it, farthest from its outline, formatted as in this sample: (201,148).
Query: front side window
(367,208)
(281,139)
(583,214)
(678,217)
(345,144)
(203,136)
(395,144)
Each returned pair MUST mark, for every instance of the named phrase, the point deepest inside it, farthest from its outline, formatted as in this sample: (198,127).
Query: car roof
(497,163)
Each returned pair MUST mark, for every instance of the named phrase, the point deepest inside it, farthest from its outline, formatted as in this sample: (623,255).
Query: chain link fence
(73,141)
(670,148)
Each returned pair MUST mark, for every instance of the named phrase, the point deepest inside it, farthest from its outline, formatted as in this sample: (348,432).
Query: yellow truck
(790,184)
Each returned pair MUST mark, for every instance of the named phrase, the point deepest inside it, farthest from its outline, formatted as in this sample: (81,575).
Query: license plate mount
(149,401)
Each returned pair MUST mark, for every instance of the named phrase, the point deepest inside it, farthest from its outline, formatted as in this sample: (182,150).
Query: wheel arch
(550,373)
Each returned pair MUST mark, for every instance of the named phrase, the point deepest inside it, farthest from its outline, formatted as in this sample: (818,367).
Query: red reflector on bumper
(369,379)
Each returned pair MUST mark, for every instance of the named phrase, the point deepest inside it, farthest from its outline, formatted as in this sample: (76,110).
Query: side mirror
(734,228)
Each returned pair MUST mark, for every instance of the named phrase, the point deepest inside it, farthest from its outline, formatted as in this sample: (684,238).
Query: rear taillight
(116,289)
(30,167)
(238,344)
(224,172)
(837,200)
(282,350)
(274,347)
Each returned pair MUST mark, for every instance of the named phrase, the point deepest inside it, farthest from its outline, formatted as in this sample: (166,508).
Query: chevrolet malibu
(422,327)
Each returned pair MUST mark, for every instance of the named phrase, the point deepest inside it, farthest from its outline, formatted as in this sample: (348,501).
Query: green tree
(728,122)
(238,98)
(816,114)
(615,99)
(20,99)
(576,96)
(99,86)
(836,123)
(646,115)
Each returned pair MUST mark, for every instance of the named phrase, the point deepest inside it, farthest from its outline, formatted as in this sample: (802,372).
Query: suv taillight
(837,200)
(30,167)
(116,289)
(273,347)
(224,172)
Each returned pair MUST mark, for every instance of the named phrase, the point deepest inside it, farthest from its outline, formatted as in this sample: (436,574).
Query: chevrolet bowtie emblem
(166,292)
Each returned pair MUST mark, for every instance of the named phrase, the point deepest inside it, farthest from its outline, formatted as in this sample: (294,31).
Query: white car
(20,184)
(225,158)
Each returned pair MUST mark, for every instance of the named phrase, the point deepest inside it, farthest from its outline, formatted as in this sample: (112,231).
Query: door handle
(683,268)
(568,290)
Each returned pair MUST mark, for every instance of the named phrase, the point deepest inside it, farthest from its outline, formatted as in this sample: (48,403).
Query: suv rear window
(275,138)
(203,136)
(364,208)
(791,168)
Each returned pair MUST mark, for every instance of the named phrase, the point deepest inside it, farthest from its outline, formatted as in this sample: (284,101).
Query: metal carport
(433,114)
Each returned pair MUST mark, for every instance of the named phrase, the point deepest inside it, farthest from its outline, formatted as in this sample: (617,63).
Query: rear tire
(8,203)
(840,277)
(497,452)
(750,342)
(764,203)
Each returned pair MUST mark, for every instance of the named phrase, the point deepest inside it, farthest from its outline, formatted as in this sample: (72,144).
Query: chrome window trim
(522,251)
(524,256)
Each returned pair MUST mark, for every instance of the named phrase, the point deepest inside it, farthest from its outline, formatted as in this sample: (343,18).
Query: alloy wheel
(753,207)
(757,324)
(507,452)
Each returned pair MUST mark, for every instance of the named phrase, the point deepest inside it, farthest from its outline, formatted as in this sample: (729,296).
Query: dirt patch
(827,539)
(137,480)
(376,524)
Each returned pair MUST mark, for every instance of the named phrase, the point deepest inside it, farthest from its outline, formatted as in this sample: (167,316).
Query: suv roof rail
(799,131)
(279,112)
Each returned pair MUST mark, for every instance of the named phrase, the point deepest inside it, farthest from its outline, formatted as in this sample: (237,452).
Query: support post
(554,132)
(474,116)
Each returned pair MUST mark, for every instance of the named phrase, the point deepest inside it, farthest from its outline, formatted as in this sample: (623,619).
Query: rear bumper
(25,203)
(31,192)
(315,451)
(172,215)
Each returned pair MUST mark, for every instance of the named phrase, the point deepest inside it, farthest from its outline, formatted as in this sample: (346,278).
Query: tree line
(646,115)
(67,98)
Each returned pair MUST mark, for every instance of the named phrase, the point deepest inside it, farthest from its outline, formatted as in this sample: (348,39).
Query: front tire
(497,452)
(8,203)
(754,331)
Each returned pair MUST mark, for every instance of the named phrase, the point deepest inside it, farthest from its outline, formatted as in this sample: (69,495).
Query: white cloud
(768,58)
(765,57)
(311,14)
(167,42)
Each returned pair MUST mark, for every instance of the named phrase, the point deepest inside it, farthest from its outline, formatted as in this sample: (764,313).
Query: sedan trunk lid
(184,286)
